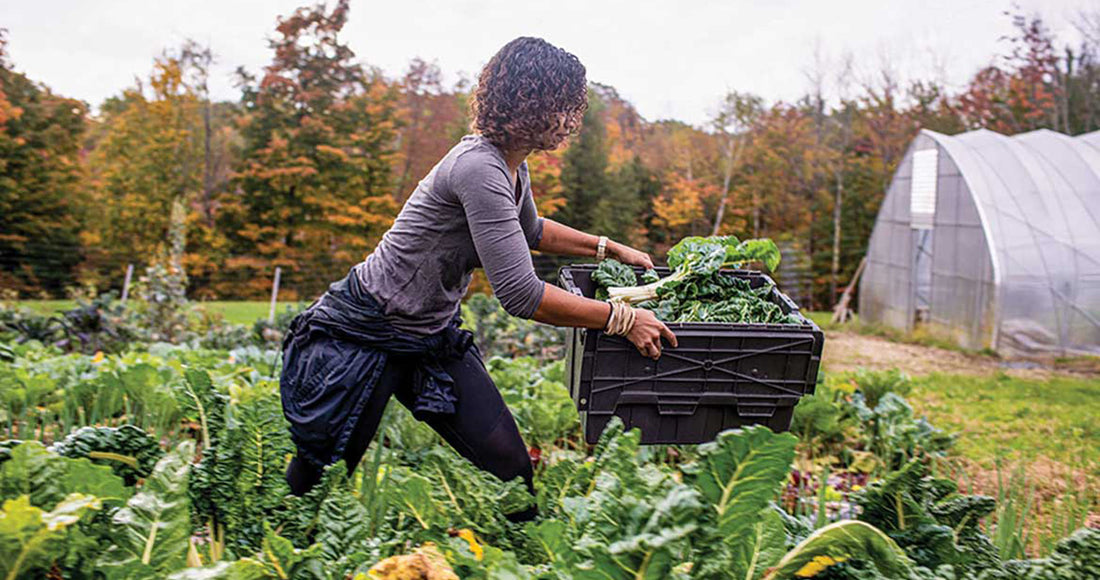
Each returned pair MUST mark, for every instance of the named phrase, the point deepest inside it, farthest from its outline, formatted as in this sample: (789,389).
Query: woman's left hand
(629,256)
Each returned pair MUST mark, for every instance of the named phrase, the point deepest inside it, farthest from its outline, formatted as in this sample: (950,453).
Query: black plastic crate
(721,376)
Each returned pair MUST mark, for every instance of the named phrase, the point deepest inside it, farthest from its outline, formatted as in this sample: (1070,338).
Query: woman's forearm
(563,240)
(645,332)
(561,308)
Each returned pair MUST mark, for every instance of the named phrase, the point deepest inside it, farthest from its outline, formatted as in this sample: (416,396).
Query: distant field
(47,306)
(241,311)
(235,311)
(1017,418)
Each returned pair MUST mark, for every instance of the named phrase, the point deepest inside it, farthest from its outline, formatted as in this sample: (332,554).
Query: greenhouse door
(922,214)
(922,278)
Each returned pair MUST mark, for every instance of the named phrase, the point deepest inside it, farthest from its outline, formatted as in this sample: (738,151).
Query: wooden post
(274,295)
(841,312)
(126,282)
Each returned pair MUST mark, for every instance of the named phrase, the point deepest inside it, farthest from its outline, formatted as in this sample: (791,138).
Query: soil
(848,350)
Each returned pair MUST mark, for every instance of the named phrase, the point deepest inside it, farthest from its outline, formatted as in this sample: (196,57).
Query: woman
(391,326)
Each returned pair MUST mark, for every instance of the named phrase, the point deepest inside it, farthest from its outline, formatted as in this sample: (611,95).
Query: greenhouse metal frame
(992,242)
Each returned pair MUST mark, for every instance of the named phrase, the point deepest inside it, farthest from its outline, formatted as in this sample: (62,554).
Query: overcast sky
(671,58)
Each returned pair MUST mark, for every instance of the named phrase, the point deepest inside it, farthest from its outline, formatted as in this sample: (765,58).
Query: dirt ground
(848,350)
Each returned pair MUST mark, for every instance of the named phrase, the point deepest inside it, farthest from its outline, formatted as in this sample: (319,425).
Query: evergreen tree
(622,213)
(584,176)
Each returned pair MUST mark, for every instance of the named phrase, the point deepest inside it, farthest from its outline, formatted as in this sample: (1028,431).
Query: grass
(241,311)
(47,306)
(1032,443)
(235,311)
(1015,419)
(822,318)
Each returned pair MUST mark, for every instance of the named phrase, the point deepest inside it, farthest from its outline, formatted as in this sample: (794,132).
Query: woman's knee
(506,454)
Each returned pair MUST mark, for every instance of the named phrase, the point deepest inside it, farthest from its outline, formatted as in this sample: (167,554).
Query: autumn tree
(207,246)
(675,146)
(607,198)
(160,143)
(1036,84)
(1082,75)
(624,127)
(681,209)
(732,122)
(544,169)
(41,182)
(314,187)
(778,165)
(432,116)
(932,107)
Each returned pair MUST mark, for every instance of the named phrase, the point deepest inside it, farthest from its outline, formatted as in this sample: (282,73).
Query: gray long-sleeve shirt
(465,214)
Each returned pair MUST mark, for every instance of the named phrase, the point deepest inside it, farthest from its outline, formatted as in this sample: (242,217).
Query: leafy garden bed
(167,461)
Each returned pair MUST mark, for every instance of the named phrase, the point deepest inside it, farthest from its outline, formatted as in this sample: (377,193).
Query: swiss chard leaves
(930,519)
(33,539)
(697,290)
(738,475)
(47,478)
(129,451)
(760,250)
(152,531)
(840,542)
(611,273)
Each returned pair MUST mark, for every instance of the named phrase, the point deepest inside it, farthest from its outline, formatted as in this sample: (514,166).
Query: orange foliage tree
(432,119)
(148,155)
(314,189)
(41,183)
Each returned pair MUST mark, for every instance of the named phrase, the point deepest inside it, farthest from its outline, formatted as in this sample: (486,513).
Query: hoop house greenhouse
(992,242)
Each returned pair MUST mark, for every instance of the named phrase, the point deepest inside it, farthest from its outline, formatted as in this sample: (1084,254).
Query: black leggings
(482,428)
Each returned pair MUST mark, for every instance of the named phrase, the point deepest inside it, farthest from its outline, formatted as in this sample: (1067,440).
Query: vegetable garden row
(165,460)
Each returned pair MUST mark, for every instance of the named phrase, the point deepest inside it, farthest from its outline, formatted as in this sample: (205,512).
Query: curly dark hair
(525,91)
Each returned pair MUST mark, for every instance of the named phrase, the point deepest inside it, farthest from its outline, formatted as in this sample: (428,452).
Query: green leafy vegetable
(32,539)
(840,542)
(129,451)
(760,250)
(241,480)
(766,545)
(697,290)
(614,273)
(618,510)
(540,403)
(334,525)
(47,478)
(927,517)
(1077,556)
(151,533)
(738,474)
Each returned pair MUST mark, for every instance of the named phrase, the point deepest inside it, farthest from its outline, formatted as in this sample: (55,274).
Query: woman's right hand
(647,332)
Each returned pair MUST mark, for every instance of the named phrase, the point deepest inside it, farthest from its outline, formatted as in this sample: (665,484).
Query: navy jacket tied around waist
(333,356)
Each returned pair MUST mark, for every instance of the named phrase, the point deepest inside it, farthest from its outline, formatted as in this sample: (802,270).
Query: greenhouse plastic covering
(1010,258)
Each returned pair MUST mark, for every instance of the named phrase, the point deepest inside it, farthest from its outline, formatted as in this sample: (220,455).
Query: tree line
(309,166)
